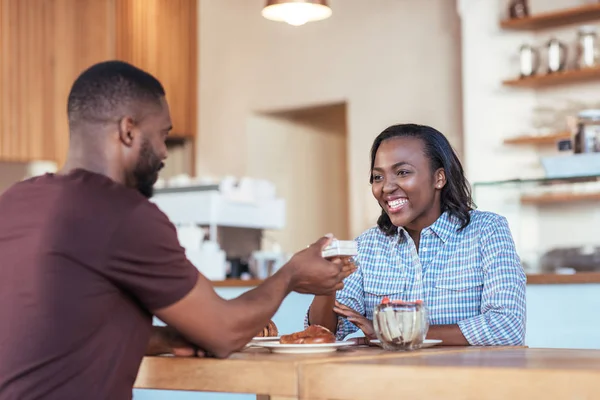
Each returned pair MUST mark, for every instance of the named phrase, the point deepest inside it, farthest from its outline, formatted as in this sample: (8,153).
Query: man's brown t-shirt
(83,262)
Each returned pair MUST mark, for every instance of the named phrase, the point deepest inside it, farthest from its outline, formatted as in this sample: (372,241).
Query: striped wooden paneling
(160,36)
(44,45)
(84,34)
(27,115)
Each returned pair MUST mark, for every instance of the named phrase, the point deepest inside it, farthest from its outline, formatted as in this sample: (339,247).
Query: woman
(431,245)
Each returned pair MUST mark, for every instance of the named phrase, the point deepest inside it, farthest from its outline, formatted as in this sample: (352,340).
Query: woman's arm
(321,310)
(502,318)
(450,335)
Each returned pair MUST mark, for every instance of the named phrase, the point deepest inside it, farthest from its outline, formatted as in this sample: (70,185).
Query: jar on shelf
(587,47)
(518,9)
(587,137)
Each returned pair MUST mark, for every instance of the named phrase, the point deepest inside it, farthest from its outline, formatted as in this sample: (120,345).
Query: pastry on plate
(312,335)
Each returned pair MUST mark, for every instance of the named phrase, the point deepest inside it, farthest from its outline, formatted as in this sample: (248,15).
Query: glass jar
(587,47)
(401,325)
(518,9)
(587,137)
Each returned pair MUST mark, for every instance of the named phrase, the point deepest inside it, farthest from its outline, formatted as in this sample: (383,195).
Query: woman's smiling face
(404,184)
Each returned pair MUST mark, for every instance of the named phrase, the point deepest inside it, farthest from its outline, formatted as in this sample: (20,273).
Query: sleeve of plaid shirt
(502,318)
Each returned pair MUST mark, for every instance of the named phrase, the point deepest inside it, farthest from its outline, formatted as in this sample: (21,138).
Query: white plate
(426,342)
(277,347)
(265,339)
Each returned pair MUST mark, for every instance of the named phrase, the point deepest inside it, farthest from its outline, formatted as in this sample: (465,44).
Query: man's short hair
(109,90)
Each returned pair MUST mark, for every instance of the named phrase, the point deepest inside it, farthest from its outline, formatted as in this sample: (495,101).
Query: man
(87,259)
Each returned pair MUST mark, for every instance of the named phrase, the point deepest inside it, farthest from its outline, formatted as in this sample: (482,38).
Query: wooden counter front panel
(479,375)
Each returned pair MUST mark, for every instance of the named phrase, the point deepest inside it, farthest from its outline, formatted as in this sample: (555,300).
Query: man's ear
(126,126)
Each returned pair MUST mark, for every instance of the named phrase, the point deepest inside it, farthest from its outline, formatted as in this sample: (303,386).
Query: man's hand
(222,326)
(311,273)
(360,321)
(166,340)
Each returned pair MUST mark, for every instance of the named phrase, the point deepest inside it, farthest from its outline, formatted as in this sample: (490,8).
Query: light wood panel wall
(25,32)
(160,36)
(84,35)
(44,46)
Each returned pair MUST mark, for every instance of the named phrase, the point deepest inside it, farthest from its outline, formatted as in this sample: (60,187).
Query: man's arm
(221,327)
(148,263)
(166,340)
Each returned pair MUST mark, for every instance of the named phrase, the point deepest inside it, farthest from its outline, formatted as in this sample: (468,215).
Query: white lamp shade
(296,12)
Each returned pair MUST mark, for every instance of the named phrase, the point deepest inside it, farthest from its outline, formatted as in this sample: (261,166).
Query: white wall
(391,61)
(304,155)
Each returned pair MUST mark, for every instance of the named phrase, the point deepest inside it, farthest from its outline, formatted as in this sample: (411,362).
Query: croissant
(269,331)
(311,335)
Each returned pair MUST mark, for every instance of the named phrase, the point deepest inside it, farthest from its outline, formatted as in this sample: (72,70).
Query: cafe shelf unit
(556,78)
(560,198)
(540,140)
(553,19)
(550,219)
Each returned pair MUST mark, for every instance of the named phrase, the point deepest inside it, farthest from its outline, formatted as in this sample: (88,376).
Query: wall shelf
(557,78)
(554,18)
(538,140)
(559,198)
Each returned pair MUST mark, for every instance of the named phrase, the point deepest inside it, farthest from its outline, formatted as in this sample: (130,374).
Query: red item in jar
(385,300)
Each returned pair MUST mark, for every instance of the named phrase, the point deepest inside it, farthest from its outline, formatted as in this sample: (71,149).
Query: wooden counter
(482,374)
(255,370)
(559,279)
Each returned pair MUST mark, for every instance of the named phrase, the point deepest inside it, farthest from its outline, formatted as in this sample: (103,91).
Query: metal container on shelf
(518,9)
(587,136)
(529,60)
(587,47)
(557,55)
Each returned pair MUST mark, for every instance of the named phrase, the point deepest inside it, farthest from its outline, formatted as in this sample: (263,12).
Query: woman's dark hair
(456,194)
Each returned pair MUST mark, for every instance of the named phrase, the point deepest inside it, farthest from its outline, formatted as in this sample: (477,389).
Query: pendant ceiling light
(296,12)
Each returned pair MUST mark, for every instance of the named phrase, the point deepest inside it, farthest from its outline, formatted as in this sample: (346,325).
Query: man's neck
(91,164)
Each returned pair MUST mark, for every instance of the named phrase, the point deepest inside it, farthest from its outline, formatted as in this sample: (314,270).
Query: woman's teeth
(396,204)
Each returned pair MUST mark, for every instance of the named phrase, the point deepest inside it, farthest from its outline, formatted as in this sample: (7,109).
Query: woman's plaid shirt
(472,277)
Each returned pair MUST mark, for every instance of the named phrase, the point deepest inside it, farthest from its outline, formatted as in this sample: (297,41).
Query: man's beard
(146,170)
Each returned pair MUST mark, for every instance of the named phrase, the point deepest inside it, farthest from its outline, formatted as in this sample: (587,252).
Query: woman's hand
(361,322)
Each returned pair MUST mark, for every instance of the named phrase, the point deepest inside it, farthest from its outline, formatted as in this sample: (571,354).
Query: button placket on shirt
(416,283)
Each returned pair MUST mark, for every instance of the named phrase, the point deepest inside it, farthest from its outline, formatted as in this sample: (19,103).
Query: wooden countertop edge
(533,279)
(560,279)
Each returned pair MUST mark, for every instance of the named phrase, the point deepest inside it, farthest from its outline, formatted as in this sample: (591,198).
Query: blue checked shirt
(472,278)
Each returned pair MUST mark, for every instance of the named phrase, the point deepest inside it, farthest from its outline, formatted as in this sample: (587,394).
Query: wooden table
(482,374)
(255,370)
